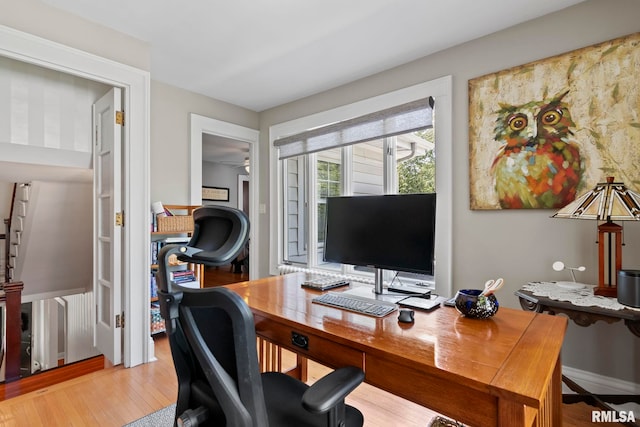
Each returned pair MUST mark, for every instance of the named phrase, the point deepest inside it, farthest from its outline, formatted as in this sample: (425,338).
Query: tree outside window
(418,174)
(328,186)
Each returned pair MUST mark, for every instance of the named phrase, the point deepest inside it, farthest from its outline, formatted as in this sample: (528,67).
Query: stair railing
(11,295)
(7,238)
(7,247)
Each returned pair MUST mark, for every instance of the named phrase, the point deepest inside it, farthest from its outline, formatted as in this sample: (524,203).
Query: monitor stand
(378,287)
(378,292)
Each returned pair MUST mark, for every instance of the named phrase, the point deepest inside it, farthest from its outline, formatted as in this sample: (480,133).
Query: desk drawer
(319,349)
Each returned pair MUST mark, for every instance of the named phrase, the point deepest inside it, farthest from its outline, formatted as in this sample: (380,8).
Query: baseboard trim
(51,377)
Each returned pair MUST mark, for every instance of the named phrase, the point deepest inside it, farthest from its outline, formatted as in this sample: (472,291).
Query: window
(295,225)
(402,163)
(313,164)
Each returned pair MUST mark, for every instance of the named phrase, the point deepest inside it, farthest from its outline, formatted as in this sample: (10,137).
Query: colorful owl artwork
(538,164)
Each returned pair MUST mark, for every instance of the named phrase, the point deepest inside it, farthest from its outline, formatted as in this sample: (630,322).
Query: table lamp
(607,202)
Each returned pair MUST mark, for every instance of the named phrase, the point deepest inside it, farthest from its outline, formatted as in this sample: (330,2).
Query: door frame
(200,125)
(135,85)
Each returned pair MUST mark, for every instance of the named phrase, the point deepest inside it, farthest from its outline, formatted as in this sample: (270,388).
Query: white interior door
(107,277)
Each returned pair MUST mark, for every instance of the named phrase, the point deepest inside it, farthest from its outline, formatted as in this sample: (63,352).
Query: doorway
(224,162)
(46,183)
(226,165)
(135,83)
(243,193)
(236,138)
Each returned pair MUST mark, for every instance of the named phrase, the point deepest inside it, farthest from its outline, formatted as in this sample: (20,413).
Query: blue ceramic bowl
(470,303)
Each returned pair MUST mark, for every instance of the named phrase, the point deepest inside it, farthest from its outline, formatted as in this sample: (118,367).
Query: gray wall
(517,245)
(50,261)
(6,192)
(170,108)
(225,176)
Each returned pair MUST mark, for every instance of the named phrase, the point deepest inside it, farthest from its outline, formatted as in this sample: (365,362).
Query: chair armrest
(331,389)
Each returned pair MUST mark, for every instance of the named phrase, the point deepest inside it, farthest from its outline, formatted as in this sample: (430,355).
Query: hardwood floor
(51,376)
(111,397)
(115,396)
(217,276)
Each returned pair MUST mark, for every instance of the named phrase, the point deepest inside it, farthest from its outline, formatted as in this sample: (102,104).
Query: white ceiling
(226,151)
(263,53)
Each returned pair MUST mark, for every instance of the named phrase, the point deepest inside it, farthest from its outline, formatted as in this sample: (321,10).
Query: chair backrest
(219,328)
(219,234)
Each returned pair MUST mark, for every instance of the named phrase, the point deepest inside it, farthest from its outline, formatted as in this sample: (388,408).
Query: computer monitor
(390,232)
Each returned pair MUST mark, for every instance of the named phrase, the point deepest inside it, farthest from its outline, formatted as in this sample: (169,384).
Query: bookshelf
(173,229)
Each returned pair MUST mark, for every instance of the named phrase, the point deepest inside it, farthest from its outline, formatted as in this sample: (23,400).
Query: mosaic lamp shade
(608,201)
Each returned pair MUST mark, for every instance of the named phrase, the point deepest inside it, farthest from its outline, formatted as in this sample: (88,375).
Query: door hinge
(119,219)
(120,118)
(120,320)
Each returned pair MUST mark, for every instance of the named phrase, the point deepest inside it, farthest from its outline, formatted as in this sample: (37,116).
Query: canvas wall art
(543,133)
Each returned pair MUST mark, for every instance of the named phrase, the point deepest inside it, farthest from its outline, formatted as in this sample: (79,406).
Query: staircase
(14,228)
(4,250)
(47,246)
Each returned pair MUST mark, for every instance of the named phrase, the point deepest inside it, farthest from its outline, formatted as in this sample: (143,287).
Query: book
(154,287)
(183,276)
(176,239)
(181,273)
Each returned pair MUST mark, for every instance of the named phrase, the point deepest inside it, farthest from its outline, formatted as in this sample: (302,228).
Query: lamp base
(606,291)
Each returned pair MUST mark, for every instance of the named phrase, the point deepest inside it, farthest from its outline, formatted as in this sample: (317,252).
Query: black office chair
(219,234)
(213,343)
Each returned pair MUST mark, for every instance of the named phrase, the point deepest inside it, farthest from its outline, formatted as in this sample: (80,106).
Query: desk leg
(548,415)
(269,356)
(302,368)
(270,359)
(554,396)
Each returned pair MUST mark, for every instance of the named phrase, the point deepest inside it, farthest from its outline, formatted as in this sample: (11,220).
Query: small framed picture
(218,194)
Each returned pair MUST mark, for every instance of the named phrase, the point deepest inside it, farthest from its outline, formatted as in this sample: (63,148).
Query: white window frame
(441,90)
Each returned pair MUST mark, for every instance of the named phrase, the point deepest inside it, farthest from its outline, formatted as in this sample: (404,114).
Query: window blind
(409,117)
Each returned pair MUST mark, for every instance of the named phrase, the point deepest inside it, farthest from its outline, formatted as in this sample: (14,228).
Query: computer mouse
(405,316)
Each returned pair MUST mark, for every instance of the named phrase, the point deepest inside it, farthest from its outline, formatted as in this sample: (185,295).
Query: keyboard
(357,304)
(324,283)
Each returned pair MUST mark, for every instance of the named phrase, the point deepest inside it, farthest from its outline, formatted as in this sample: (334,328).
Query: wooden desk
(504,371)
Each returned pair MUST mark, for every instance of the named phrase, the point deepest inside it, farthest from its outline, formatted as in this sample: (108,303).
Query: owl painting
(538,165)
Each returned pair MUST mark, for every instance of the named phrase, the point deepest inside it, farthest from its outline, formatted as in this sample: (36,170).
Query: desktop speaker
(629,287)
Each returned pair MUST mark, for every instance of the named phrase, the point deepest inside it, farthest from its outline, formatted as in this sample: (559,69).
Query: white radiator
(79,319)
